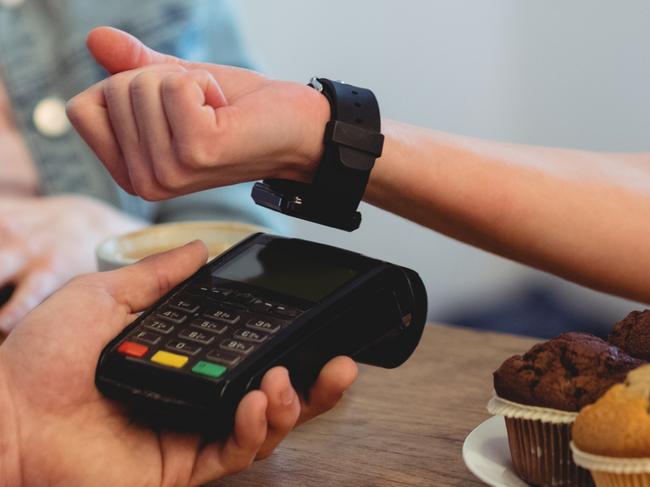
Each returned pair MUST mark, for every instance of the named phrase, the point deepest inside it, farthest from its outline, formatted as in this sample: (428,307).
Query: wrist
(315,113)
(9,445)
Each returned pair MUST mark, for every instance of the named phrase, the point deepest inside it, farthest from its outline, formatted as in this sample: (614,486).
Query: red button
(132,349)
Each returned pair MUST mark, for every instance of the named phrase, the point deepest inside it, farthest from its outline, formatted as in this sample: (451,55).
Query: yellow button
(169,359)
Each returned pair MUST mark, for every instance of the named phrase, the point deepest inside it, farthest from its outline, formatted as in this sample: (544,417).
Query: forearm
(9,455)
(581,215)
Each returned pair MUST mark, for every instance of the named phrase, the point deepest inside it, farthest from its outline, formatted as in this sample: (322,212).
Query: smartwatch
(353,141)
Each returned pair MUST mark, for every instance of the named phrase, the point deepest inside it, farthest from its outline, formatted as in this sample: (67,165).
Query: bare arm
(580,215)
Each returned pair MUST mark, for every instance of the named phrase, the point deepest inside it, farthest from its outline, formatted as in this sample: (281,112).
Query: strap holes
(355,92)
(359,120)
(357,104)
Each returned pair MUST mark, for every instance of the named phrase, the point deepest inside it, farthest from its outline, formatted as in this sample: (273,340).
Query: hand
(67,433)
(165,127)
(46,241)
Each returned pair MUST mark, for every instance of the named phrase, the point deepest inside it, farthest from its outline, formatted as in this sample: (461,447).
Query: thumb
(118,51)
(140,285)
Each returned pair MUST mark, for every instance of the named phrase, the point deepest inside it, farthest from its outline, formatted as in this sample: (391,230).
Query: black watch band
(352,143)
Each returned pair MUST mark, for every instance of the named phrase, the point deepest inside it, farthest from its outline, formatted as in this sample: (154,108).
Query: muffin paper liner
(613,471)
(539,440)
(509,409)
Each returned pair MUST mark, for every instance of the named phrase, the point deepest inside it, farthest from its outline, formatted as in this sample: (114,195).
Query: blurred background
(573,74)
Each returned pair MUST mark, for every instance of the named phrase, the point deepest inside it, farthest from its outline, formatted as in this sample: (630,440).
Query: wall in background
(574,74)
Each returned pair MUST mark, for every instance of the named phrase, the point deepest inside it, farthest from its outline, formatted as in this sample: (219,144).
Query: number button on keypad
(250,336)
(197,336)
(159,326)
(224,315)
(173,316)
(209,325)
(183,347)
(263,325)
(183,305)
(238,346)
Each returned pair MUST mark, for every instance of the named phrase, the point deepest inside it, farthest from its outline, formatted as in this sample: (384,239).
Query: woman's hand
(45,241)
(57,429)
(165,127)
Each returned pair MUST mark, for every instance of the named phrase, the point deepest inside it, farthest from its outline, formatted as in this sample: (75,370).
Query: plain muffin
(618,424)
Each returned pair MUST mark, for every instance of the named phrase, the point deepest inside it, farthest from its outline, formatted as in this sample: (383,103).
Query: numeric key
(267,326)
(224,315)
(159,325)
(184,305)
(237,346)
(197,336)
(183,347)
(173,316)
(250,336)
(209,325)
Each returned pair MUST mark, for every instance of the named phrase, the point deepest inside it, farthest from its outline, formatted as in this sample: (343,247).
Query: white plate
(487,455)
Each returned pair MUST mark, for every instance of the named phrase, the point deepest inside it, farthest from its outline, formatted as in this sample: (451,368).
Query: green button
(211,370)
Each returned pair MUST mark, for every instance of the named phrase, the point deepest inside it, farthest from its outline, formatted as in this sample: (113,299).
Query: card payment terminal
(186,362)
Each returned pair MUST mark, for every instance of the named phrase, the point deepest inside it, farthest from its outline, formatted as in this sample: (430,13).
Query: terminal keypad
(207,330)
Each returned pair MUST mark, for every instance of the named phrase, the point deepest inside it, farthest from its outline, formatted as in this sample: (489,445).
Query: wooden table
(401,427)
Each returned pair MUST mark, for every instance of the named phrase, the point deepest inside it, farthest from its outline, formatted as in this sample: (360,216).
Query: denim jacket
(43,54)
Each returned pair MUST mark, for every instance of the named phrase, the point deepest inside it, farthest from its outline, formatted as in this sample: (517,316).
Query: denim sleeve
(43,54)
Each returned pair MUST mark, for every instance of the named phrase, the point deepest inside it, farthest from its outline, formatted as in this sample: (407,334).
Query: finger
(120,113)
(154,131)
(216,460)
(122,93)
(118,51)
(191,102)
(88,114)
(335,378)
(140,285)
(30,291)
(283,410)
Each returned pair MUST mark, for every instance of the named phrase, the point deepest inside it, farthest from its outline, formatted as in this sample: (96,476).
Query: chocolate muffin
(565,373)
(632,334)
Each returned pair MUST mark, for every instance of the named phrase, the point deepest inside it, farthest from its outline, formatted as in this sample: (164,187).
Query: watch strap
(352,142)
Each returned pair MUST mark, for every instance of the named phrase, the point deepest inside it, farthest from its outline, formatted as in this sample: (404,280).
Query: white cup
(127,249)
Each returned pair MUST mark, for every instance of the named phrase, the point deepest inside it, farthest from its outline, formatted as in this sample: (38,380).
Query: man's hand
(64,432)
(46,241)
(164,127)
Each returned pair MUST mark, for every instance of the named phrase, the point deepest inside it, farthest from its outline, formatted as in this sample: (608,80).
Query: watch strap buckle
(355,137)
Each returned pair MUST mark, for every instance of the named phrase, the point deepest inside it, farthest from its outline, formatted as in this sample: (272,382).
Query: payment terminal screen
(280,267)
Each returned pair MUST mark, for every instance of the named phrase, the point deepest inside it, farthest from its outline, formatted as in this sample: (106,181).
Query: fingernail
(287,396)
